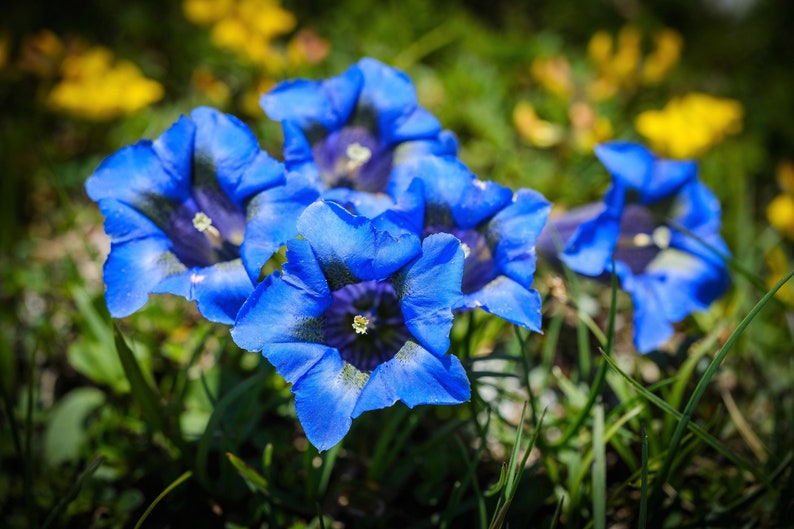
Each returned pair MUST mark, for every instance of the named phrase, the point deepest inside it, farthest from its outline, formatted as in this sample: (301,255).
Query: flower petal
(328,103)
(350,248)
(272,220)
(224,148)
(509,300)
(429,287)
(589,250)
(134,269)
(325,397)
(220,290)
(415,376)
(516,229)
(124,223)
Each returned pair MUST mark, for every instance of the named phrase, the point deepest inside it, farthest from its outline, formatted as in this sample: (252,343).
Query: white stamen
(204,224)
(466,250)
(642,240)
(357,156)
(661,237)
(360,324)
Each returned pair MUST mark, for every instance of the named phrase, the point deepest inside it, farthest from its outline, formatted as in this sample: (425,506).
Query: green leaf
(66,433)
(145,395)
(254,479)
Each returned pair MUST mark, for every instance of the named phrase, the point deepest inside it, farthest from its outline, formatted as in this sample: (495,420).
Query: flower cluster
(657,229)
(388,237)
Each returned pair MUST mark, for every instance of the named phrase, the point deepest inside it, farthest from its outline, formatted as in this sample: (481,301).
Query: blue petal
(429,287)
(392,95)
(297,149)
(351,246)
(224,148)
(560,229)
(293,360)
(516,229)
(264,172)
(589,251)
(218,290)
(415,376)
(124,223)
(278,312)
(451,187)
(134,173)
(328,103)
(325,397)
(636,167)
(272,220)
(133,270)
(175,150)
(509,300)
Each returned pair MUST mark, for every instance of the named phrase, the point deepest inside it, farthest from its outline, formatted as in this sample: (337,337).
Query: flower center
(365,324)
(353,157)
(641,238)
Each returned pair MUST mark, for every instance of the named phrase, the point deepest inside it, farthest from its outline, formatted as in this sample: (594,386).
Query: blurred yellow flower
(691,124)
(589,129)
(553,74)
(5,45)
(96,87)
(664,56)
(779,266)
(307,47)
(246,27)
(41,53)
(619,63)
(215,90)
(536,131)
(780,211)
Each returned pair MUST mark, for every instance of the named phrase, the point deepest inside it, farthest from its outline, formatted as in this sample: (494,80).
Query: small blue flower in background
(663,226)
(348,132)
(195,213)
(498,229)
(359,319)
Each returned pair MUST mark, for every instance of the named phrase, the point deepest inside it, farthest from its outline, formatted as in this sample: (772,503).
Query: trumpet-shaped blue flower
(195,213)
(347,133)
(359,319)
(662,226)
(498,229)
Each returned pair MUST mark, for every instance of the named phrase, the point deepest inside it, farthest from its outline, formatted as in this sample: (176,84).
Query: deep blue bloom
(195,213)
(359,319)
(498,229)
(347,133)
(662,225)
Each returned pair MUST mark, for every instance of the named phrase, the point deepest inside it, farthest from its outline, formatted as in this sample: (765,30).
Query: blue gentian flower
(662,226)
(348,132)
(195,213)
(359,319)
(498,229)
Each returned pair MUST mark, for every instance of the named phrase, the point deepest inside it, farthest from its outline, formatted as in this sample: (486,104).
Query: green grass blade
(599,469)
(700,389)
(178,481)
(145,395)
(642,519)
(71,494)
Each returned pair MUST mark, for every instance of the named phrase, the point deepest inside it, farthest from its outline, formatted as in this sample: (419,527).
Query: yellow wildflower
(588,128)
(536,131)
(553,74)
(41,54)
(691,124)
(246,27)
(664,56)
(95,87)
(215,90)
(780,210)
(779,266)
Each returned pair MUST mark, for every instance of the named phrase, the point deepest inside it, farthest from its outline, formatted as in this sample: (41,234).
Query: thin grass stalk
(700,389)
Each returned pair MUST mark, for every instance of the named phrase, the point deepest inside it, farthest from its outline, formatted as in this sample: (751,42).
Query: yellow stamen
(357,156)
(204,224)
(360,324)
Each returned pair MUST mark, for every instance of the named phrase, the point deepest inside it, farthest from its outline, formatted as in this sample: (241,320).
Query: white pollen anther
(357,156)
(360,324)
(642,240)
(661,237)
(204,224)
(466,250)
